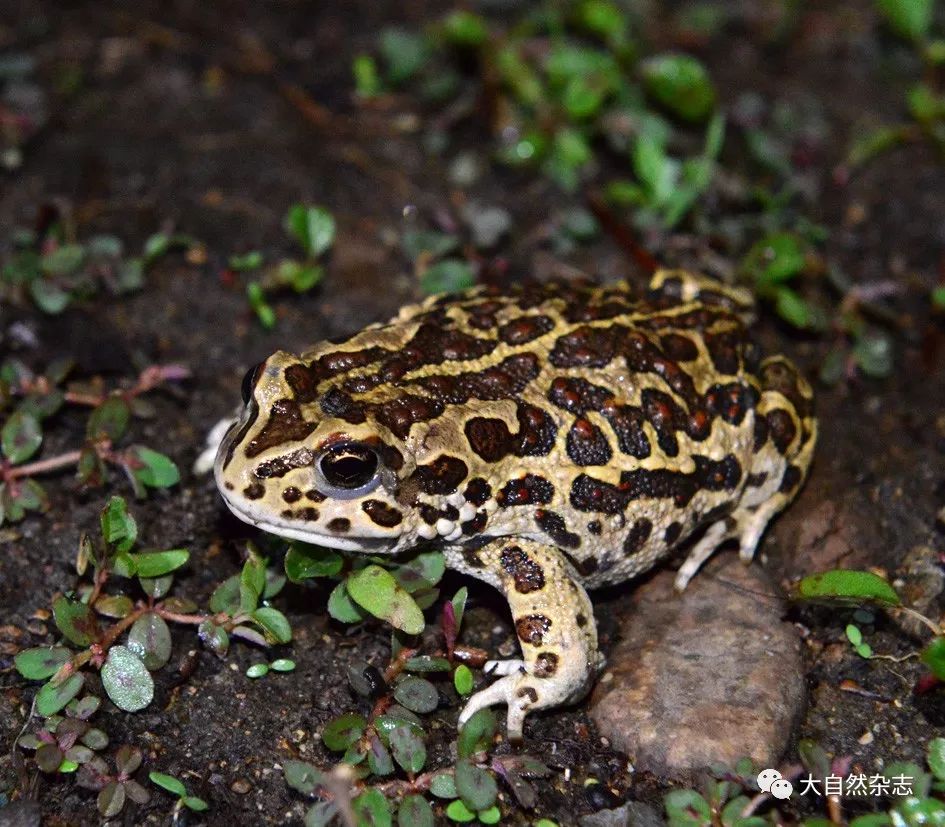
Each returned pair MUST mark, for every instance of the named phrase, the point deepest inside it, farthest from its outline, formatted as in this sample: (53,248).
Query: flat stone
(705,677)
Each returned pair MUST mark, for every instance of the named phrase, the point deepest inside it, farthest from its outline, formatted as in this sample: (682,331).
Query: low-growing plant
(313,229)
(176,787)
(29,402)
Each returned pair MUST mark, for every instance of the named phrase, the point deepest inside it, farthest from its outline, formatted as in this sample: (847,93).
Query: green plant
(55,269)
(176,787)
(313,229)
(28,401)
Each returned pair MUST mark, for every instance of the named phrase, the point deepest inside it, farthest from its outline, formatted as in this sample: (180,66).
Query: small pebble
(241,786)
(866,738)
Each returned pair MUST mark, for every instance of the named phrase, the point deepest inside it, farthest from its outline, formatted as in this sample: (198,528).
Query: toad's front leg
(554,620)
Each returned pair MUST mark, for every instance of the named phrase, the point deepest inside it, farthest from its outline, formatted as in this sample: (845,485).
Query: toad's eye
(249,381)
(348,470)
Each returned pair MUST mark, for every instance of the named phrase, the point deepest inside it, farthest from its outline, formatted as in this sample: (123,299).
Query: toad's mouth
(310,535)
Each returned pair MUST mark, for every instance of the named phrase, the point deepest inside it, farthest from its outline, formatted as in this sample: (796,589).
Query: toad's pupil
(249,382)
(349,467)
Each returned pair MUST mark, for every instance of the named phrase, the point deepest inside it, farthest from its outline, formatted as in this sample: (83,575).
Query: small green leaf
(443,785)
(415,811)
(936,757)
(20,437)
(312,227)
(191,802)
(169,783)
(427,663)
(447,276)
(110,419)
(685,807)
(458,811)
(416,694)
(111,799)
(864,650)
(157,470)
(76,621)
(159,563)
(303,561)
(408,748)
(156,587)
(775,259)
(371,809)
(64,260)
(40,663)
(257,301)
(257,670)
(938,298)
(465,28)
(118,526)
(379,759)
(252,260)
(477,733)
(463,679)
(127,680)
(428,242)
(375,589)
(53,697)
(422,571)
(49,296)
(854,635)
(275,624)
(933,656)
(847,587)
(150,640)
(475,786)
(128,759)
(114,605)
(459,606)
(301,776)
(490,816)
(282,665)
(226,596)
(873,352)
(367,81)
(341,732)
(404,52)
(681,84)
(342,608)
(910,19)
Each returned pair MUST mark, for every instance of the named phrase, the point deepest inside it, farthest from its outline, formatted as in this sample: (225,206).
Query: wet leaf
(490,816)
(303,561)
(371,809)
(847,587)
(282,665)
(463,679)
(156,587)
(408,748)
(226,596)
(301,776)
(423,571)
(214,637)
(159,563)
(128,759)
(274,624)
(458,811)
(416,694)
(312,227)
(49,757)
(477,733)
(191,802)
(397,716)
(475,786)
(127,680)
(41,662)
(95,739)
(681,84)
(111,799)
(379,758)
(374,589)
(415,811)
(427,663)
(252,581)
(150,640)
(443,785)
(341,732)
(157,470)
(20,437)
(118,526)
(76,621)
(169,783)
(110,419)
(84,708)
(114,605)
(53,697)
(257,670)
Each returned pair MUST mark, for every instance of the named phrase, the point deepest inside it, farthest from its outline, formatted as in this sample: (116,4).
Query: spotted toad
(549,438)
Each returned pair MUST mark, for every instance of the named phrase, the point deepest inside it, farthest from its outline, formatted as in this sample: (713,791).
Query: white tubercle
(467,512)
(444,526)
(427,532)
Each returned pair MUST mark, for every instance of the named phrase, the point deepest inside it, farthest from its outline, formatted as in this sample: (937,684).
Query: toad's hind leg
(554,621)
(786,435)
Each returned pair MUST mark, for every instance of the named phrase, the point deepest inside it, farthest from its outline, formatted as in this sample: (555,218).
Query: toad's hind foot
(554,621)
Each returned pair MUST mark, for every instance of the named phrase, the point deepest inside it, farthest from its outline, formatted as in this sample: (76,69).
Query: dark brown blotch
(587,445)
(340,525)
(254,491)
(781,428)
(291,494)
(529,489)
(532,628)
(555,527)
(477,491)
(285,424)
(525,329)
(382,513)
(526,574)
(546,664)
(490,438)
(442,476)
(637,536)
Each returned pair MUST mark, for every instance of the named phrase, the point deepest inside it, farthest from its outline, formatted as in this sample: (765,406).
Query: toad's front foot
(554,621)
